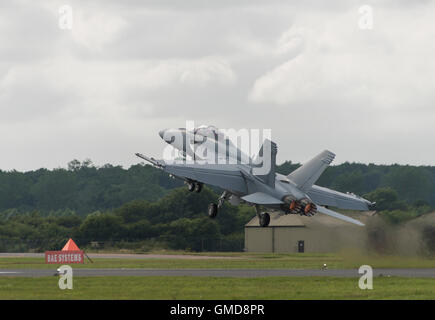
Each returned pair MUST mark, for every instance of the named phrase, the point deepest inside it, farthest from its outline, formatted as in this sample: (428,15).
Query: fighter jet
(256,183)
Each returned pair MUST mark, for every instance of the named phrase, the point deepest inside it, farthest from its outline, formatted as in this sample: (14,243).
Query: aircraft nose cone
(161,133)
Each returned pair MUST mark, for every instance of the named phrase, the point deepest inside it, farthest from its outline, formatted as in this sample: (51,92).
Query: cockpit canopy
(206,131)
(209,131)
(203,132)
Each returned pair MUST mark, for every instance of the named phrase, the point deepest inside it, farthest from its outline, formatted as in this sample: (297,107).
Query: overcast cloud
(128,69)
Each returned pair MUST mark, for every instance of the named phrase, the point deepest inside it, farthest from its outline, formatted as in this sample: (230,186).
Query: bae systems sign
(70,253)
(57,257)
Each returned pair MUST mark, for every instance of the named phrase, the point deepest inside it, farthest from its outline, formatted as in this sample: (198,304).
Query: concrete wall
(285,239)
(258,239)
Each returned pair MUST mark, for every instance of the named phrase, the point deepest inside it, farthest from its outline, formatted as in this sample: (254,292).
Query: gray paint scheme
(220,175)
(272,190)
(305,176)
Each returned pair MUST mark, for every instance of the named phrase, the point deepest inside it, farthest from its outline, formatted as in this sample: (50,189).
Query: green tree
(101,226)
(385,198)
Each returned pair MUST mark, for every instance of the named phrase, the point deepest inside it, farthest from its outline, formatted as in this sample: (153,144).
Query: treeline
(176,221)
(142,208)
(83,188)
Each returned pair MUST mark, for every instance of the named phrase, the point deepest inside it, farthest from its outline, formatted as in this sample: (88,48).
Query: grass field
(215,288)
(239,260)
(223,288)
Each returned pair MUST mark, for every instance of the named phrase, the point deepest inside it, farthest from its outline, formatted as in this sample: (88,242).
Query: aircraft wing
(327,197)
(225,176)
(338,215)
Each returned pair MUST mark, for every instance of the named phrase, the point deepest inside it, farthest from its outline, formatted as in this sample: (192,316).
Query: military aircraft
(250,183)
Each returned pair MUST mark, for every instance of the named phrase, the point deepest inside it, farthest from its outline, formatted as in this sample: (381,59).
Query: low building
(295,233)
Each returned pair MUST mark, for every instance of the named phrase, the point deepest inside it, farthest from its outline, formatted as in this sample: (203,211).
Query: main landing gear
(194,186)
(263,217)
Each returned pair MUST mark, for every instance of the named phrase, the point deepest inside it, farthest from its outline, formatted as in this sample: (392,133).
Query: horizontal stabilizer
(261,198)
(305,176)
(331,198)
(338,215)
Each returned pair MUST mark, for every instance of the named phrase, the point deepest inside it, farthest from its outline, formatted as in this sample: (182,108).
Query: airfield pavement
(237,273)
(202,272)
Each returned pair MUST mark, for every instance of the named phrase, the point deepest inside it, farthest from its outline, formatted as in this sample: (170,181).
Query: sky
(103,86)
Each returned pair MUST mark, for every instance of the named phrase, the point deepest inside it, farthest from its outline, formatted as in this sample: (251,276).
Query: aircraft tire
(198,187)
(264,219)
(191,186)
(212,210)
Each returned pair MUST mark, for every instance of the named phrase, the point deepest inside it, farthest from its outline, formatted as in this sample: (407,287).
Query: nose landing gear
(213,207)
(212,210)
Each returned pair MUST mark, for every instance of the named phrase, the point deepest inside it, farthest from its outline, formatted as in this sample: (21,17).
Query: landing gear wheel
(198,187)
(191,186)
(264,219)
(212,210)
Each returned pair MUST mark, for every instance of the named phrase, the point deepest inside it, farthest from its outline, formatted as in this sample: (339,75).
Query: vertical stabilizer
(264,163)
(305,176)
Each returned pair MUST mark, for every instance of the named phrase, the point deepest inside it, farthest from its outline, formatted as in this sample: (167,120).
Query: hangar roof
(294,220)
(289,220)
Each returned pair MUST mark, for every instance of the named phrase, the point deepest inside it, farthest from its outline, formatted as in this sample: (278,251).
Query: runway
(236,273)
